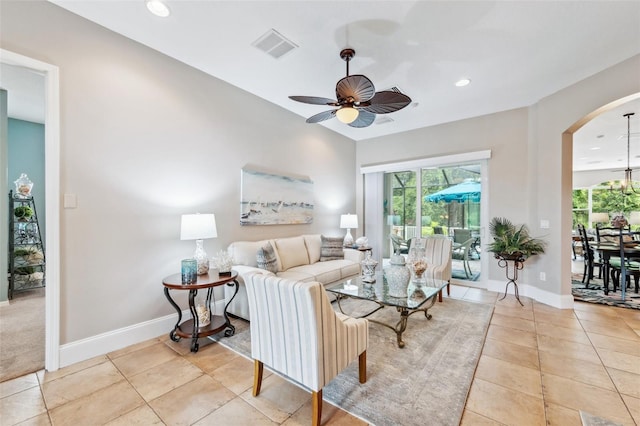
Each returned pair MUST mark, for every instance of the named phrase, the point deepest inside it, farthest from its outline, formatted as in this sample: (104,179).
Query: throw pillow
(266,258)
(292,252)
(331,248)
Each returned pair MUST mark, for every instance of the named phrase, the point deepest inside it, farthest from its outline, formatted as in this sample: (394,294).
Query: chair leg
(448,289)
(440,296)
(316,403)
(258,368)
(362,367)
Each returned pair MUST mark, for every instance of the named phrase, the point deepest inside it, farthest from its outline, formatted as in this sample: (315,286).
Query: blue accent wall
(26,155)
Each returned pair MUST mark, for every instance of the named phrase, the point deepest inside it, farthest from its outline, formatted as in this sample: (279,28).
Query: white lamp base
(348,239)
(201,258)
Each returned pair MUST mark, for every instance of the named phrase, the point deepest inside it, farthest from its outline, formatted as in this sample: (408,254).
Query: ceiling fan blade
(386,101)
(355,88)
(315,100)
(322,116)
(365,119)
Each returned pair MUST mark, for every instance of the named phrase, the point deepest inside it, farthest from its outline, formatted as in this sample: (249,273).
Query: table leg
(230,331)
(196,322)
(172,334)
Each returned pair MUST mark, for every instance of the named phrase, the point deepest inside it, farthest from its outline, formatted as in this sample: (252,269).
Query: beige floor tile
(580,307)
(619,360)
(567,349)
(578,336)
(183,346)
(41,420)
(469,418)
(212,357)
(237,375)
(192,401)
(133,348)
(516,354)
(558,415)
(136,362)
(602,317)
(164,377)
(99,407)
(21,406)
(633,405)
(236,412)
(505,405)
(510,335)
(627,383)
(331,416)
(79,384)
(580,396)
(541,311)
(508,375)
(617,329)
(513,322)
(278,398)
(632,323)
(617,344)
(47,376)
(586,372)
(517,312)
(141,416)
(18,384)
(560,321)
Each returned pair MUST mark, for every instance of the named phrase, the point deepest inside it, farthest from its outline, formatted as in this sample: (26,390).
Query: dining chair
(296,332)
(591,261)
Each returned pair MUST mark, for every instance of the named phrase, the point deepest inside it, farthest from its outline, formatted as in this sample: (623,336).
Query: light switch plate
(544,224)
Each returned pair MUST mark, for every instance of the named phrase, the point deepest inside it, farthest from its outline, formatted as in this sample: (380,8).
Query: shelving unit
(26,250)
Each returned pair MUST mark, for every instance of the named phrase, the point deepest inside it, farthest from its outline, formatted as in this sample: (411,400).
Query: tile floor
(539,366)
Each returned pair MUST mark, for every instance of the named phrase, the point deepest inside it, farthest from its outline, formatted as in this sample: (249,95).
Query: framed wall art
(275,199)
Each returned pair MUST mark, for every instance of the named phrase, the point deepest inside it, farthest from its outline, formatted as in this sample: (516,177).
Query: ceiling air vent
(384,120)
(274,44)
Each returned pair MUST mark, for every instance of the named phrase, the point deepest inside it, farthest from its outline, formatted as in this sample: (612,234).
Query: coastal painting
(274,199)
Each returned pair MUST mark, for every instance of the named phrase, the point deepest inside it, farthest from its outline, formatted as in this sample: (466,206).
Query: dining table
(628,250)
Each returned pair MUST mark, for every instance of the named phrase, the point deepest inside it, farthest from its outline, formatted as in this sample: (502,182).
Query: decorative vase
(23,186)
(397,276)
(369,268)
(418,265)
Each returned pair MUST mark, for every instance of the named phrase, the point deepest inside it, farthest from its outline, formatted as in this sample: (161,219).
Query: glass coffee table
(420,298)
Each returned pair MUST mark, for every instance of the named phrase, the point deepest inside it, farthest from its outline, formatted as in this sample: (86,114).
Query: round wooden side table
(191,328)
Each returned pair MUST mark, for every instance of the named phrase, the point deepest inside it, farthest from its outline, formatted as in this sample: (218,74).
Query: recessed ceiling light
(158,8)
(462,82)
(594,148)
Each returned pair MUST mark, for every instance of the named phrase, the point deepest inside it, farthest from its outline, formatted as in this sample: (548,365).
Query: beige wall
(144,139)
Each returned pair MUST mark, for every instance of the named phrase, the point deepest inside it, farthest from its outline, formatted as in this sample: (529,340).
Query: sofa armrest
(356,256)
(239,306)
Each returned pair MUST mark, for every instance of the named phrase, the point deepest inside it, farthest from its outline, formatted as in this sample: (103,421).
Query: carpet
(22,324)
(428,379)
(595,294)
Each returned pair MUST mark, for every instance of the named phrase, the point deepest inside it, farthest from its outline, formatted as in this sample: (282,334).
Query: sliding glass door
(436,201)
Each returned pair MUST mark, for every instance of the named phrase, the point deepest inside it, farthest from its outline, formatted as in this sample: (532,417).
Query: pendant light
(626,186)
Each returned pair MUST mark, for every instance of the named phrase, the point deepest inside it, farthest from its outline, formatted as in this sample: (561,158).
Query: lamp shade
(599,217)
(634,218)
(198,226)
(349,221)
(347,114)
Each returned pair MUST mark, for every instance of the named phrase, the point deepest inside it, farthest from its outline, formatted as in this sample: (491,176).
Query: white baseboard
(535,293)
(102,344)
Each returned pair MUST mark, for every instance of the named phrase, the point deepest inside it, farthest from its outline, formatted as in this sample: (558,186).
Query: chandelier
(626,186)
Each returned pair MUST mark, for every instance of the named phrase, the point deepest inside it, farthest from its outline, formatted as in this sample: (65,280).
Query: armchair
(296,332)
(438,252)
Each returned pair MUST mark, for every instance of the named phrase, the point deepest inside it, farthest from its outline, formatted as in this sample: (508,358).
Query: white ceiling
(514,52)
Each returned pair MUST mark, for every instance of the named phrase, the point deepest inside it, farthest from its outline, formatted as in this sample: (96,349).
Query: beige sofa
(297,258)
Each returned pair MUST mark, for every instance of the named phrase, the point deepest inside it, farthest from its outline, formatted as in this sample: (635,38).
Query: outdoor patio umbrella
(468,191)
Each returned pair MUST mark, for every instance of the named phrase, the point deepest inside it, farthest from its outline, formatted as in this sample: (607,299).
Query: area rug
(426,381)
(22,326)
(595,294)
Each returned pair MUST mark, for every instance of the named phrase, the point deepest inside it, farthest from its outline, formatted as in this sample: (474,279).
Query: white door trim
(52,197)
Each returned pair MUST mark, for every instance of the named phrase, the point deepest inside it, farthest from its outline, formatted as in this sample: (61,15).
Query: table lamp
(634,218)
(348,221)
(199,227)
(600,217)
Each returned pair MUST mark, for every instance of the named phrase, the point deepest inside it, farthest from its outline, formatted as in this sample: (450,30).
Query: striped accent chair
(439,252)
(296,332)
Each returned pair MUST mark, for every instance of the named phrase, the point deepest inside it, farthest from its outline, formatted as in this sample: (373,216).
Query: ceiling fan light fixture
(347,114)
(158,8)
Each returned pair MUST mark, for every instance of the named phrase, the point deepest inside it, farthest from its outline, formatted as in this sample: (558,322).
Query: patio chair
(462,251)
(296,333)
(399,245)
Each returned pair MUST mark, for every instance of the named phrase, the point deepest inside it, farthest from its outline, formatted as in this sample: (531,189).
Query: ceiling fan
(358,100)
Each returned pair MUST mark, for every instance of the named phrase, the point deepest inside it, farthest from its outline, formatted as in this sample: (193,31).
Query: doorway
(52,196)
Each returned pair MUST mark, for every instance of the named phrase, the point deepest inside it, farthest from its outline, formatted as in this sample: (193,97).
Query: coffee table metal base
(405,313)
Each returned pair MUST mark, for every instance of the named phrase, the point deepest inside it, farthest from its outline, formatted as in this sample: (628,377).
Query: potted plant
(513,242)
(23,212)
